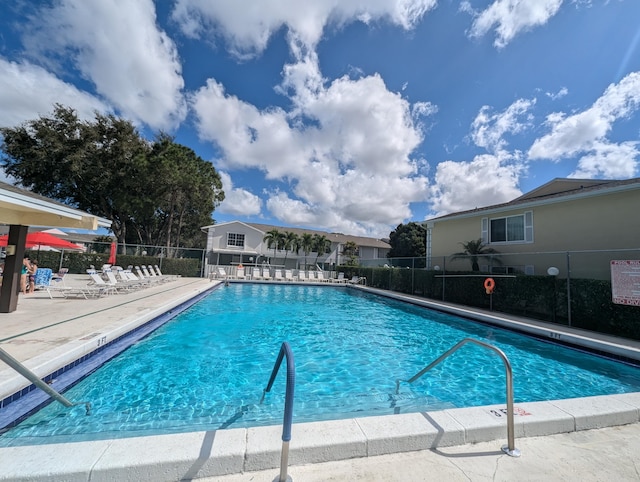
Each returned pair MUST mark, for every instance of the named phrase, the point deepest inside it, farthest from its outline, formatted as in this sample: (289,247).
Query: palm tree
(290,243)
(306,244)
(274,238)
(321,245)
(473,251)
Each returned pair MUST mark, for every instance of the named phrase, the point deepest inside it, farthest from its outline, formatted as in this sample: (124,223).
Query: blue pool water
(206,369)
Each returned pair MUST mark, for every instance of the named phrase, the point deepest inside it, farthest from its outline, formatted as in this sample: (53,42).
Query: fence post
(569,288)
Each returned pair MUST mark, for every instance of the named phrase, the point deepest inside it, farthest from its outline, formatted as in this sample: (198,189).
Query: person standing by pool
(24,273)
(32,276)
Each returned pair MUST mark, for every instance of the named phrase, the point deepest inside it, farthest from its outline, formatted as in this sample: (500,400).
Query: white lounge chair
(288,275)
(356,280)
(277,275)
(110,284)
(255,273)
(219,273)
(266,273)
(240,273)
(302,275)
(340,278)
(320,277)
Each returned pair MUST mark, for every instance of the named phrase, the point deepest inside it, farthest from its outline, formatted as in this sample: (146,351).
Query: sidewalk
(608,454)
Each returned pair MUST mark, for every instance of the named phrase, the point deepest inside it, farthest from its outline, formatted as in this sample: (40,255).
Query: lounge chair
(169,277)
(255,273)
(340,278)
(97,281)
(120,281)
(302,275)
(86,292)
(219,273)
(140,272)
(42,278)
(58,277)
(288,275)
(266,273)
(320,277)
(356,280)
(277,275)
(240,273)
(127,276)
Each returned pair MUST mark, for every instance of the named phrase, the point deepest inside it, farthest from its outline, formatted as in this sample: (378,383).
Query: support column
(12,267)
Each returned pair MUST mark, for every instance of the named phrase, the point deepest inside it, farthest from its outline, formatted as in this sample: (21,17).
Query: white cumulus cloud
(246,27)
(27,91)
(238,201)
(585,133)
(118,47)
(490,178)
(344,147)
(510,17)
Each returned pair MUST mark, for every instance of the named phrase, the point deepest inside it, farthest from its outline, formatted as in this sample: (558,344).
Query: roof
(22,207)
(333,237)
(556,191)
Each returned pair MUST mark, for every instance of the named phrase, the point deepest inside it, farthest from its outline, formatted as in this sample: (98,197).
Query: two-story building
(586,219)
(235,243)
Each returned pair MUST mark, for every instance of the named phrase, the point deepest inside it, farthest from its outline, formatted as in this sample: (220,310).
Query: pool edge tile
(183,456)
(598,412)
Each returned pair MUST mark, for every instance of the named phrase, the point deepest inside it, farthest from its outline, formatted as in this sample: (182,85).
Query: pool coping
(229,451)
(215,453)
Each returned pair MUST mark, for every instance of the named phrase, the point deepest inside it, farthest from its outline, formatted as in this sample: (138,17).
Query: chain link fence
(178,261)
(571,288)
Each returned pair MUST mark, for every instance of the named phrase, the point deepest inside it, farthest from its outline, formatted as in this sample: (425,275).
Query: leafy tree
(321,245)
(306,244)
(351,252)
(186,189)
(474,250)
(274,239)
(408,241)
(159,193)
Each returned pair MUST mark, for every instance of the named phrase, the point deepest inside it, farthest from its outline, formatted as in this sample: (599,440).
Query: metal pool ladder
(33,378)
(285,350)
(510,448)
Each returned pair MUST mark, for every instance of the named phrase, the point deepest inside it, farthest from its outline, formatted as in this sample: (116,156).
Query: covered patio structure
(20,209)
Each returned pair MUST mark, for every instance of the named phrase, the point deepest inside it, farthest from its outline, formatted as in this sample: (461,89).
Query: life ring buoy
(489,285)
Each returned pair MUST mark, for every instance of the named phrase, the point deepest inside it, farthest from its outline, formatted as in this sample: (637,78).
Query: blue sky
(350,116)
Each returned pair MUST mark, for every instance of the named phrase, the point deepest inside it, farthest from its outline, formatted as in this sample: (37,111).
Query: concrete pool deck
(559,440)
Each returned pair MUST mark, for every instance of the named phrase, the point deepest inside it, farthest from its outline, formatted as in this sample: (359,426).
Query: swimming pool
(206,369)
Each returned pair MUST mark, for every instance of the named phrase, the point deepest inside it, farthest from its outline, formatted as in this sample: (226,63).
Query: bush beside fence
(540,297)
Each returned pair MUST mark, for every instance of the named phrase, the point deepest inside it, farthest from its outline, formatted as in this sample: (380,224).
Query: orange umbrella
(112,254)
(41,238)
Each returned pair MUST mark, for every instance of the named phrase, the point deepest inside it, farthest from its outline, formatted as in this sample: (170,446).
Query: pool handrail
(285,350)
(510,448)
(33,378)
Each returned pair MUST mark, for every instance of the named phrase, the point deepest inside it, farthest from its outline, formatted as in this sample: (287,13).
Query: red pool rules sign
(625,282)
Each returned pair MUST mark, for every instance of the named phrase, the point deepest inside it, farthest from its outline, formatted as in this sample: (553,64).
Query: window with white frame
(235,240)
(508,229)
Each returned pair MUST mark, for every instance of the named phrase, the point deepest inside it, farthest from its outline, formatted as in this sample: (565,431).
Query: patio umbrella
(112,254)
(41,238)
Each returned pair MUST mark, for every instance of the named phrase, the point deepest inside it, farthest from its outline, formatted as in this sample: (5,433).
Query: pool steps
(215,453)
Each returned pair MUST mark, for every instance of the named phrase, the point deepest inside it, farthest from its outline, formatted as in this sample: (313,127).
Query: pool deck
(595,438)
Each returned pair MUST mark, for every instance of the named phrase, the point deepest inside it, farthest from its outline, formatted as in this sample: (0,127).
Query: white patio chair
(266,273)
(288,275)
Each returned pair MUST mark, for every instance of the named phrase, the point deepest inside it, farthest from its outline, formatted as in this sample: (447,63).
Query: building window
(510,229)
(235,239)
